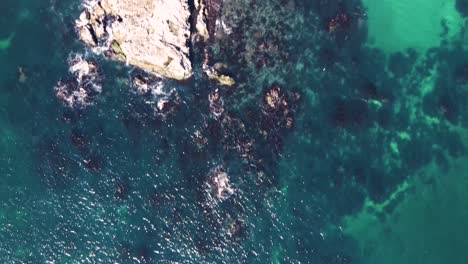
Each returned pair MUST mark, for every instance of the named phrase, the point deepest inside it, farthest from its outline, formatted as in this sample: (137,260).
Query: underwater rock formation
(152,35)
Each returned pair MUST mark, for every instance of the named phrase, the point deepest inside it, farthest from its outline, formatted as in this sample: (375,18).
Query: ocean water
(373,169)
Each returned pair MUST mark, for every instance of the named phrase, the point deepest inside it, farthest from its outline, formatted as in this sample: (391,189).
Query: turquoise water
(373,169)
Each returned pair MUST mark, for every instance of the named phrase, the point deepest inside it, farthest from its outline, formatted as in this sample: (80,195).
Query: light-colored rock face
(149,34)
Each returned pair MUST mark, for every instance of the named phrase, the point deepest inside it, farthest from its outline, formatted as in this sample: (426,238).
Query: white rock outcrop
(152,35)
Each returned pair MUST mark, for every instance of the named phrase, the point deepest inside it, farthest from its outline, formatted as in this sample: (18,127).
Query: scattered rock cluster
(164,100)
(278,107)
(81,89)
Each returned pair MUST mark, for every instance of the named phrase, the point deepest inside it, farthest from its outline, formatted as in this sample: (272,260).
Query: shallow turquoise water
(372,164)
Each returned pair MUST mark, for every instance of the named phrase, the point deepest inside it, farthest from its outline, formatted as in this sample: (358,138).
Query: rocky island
(153,35)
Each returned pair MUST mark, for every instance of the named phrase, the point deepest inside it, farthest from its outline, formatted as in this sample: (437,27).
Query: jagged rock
(81,90)
(149,34)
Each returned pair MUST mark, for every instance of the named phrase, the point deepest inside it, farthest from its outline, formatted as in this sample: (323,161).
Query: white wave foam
(80,91)
(159,93)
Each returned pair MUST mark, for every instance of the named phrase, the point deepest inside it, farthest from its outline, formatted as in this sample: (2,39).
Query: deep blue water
(116,183)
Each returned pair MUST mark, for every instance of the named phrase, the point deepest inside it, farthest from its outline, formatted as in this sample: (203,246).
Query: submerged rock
(152,35)
(22,76)
(235,228)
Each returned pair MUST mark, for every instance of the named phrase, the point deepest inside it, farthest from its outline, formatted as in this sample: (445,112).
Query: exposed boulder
(152,35)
